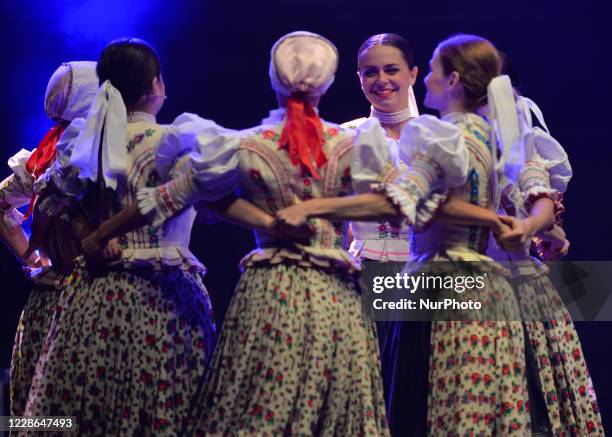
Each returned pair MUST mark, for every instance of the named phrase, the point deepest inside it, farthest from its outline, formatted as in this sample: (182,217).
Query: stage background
(215,63)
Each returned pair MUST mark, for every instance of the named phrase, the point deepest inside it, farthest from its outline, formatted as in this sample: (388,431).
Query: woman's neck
(453,106)
(394,130)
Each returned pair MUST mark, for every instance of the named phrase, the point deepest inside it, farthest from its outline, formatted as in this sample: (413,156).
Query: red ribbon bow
(302,135)
(43,156)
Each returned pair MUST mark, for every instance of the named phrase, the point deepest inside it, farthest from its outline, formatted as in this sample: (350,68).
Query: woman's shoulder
(354,124)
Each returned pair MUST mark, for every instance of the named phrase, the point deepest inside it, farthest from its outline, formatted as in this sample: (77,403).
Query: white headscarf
(71,90)
(303,62)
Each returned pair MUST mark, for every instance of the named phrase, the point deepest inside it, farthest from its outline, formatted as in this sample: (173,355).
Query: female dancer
(387,73)
(69,94)
(476,368)
(294,356)
(562,398)
(133,338)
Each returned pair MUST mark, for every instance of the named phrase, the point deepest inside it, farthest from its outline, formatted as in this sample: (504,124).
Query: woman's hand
(112,250)
(551,250)
(292,217)
(41,222)
(93,244)
(36,261)
(515,238)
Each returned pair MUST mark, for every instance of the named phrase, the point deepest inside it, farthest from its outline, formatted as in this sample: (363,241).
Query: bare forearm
(361,207)
(243,213)
(460,212)
(555,235)
(542,215)
(14,237)
(127,220)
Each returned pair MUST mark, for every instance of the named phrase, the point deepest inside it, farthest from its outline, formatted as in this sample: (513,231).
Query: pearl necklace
(391,117)
(136,116)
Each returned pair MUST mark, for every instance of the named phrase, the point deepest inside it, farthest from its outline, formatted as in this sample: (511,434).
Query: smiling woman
(387,72)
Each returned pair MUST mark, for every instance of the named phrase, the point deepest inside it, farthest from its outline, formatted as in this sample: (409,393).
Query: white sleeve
(200,159)
(374,158)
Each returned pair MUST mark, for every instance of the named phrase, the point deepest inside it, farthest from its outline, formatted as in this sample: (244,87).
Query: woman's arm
(360,207)
(540,219)
(234,210)
(460,212)
(15,238)
(373,207)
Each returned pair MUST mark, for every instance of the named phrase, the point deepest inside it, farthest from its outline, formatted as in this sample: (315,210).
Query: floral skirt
(561,368)
(31,333)
(294,358)
(477,379)
(125,352)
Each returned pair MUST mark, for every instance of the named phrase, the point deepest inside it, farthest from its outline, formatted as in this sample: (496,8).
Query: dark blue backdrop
(215,60)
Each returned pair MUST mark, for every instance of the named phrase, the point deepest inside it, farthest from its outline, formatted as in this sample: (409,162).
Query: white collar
(140,116)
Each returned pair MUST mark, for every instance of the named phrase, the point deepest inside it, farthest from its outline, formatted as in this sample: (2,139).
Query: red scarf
(302,135)
(43,156)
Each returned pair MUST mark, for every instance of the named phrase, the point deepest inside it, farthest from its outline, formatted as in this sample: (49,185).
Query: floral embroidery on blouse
(137,139)
(330,132)
(307,184)
(473,180)
(345,184)
(153,238)
(256,178)
(270,134)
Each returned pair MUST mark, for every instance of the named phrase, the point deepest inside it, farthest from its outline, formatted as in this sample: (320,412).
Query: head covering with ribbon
(105,127)
(70,92)
(302,65)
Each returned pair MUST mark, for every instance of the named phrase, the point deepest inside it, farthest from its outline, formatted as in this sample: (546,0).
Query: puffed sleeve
(375,157)
(547,170)
(16,189)
(62,174)
(436,158)
(200,159)
(438,141)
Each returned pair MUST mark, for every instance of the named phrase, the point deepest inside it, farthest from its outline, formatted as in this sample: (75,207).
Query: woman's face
(386,77)
(438,85)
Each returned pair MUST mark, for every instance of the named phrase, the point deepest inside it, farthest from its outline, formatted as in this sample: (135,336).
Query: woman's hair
(388,39)
(509,69)
(130,64)
(476,61)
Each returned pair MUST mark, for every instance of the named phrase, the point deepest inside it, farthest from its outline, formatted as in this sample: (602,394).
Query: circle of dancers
(118,329)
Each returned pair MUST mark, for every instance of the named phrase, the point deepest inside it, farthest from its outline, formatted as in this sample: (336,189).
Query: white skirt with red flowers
(125,351)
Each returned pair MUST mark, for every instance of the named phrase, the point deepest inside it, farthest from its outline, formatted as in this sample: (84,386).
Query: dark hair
(477,62)
(130,64)
(508,68)
(389,39)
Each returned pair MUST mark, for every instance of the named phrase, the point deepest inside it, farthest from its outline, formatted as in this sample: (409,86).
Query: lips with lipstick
(385,93)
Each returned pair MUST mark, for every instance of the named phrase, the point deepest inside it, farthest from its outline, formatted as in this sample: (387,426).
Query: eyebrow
(384,66)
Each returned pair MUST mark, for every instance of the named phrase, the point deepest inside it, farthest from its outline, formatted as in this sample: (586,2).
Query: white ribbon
(412,103)
(506,123)
(526,106)
(106,122)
